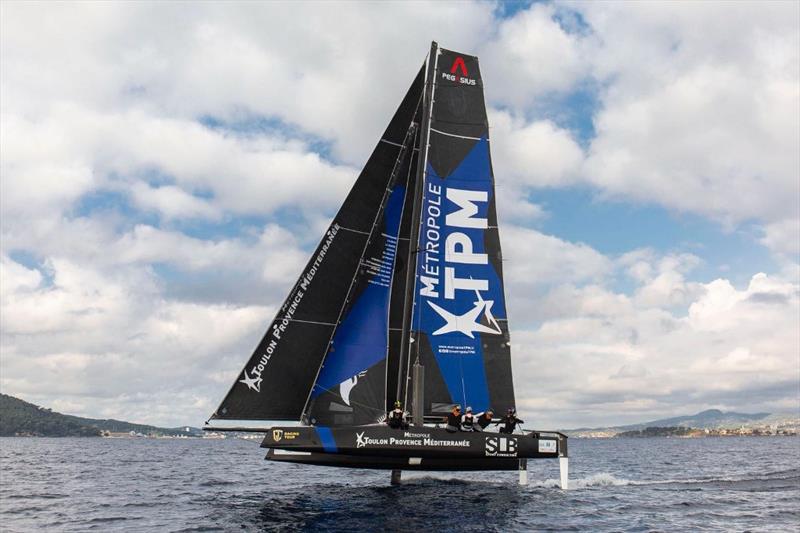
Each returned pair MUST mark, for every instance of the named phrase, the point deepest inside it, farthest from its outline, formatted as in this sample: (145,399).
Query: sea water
(710,484)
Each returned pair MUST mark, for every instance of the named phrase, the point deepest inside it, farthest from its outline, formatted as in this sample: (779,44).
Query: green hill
(20,418)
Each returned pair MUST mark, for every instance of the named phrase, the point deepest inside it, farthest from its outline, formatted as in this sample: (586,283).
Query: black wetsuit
(453,422)
(484,421)
(396,419)
(467,422)
(510,423)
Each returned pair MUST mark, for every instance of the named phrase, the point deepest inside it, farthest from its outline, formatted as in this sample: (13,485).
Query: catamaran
(403,300)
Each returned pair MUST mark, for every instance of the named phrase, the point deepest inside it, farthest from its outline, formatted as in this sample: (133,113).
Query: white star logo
(468,322)
(253,383)
(360,441)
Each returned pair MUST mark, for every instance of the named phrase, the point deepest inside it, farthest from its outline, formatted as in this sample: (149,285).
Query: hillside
(711,419)
(21,418)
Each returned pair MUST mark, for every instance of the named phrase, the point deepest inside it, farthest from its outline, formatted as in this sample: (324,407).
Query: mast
(416,223)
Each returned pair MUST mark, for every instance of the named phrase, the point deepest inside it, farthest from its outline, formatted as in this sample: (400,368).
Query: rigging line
(396,144)
(378,213)
(355,230)
(459,136)
(305,321)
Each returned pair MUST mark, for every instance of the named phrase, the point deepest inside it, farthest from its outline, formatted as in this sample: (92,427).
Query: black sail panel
(459,319)
(276,382)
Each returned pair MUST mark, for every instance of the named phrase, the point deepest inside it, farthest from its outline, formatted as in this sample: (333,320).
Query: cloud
(533,154)
(783,237)
(117,151)
(228,62)
(533,55)
(608,354)
(172,202)
(535,258)
(697,116)
(108,336)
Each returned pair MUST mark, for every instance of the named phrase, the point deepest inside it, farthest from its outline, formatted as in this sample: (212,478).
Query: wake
(605,479)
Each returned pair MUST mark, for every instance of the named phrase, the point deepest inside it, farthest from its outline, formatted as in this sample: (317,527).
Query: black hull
(392,463)
(379,447)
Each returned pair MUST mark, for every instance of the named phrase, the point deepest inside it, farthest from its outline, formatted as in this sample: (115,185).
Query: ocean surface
(712,484)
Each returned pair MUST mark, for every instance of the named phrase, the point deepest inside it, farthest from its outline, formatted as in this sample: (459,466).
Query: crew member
(510,421)
(454,419)
(396,419)
(467,421)
(484,419)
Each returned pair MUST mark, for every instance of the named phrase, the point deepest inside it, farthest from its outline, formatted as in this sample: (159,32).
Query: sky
(166,169)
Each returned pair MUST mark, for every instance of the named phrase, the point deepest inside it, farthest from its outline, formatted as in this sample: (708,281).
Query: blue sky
(166,172)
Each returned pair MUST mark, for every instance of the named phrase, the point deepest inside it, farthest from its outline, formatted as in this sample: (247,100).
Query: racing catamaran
(402,299)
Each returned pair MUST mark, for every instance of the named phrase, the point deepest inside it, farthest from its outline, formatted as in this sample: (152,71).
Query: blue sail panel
(459,298)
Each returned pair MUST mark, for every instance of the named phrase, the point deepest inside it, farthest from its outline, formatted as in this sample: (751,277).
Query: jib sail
(459,321)
(276,383)
(350,387)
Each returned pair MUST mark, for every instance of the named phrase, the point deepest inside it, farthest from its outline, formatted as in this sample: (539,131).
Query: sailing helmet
(397,403)
(469,409)
(511,411)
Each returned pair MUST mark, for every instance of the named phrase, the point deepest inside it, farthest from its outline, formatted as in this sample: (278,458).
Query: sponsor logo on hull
(279,435)
(548,446)
(501,447)
(408,439)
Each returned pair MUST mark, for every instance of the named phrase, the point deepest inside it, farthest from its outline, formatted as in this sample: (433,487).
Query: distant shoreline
(258,436)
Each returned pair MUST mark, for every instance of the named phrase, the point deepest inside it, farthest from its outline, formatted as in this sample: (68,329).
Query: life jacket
(468,420)
(484,421)
(510,422)
(395,418)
